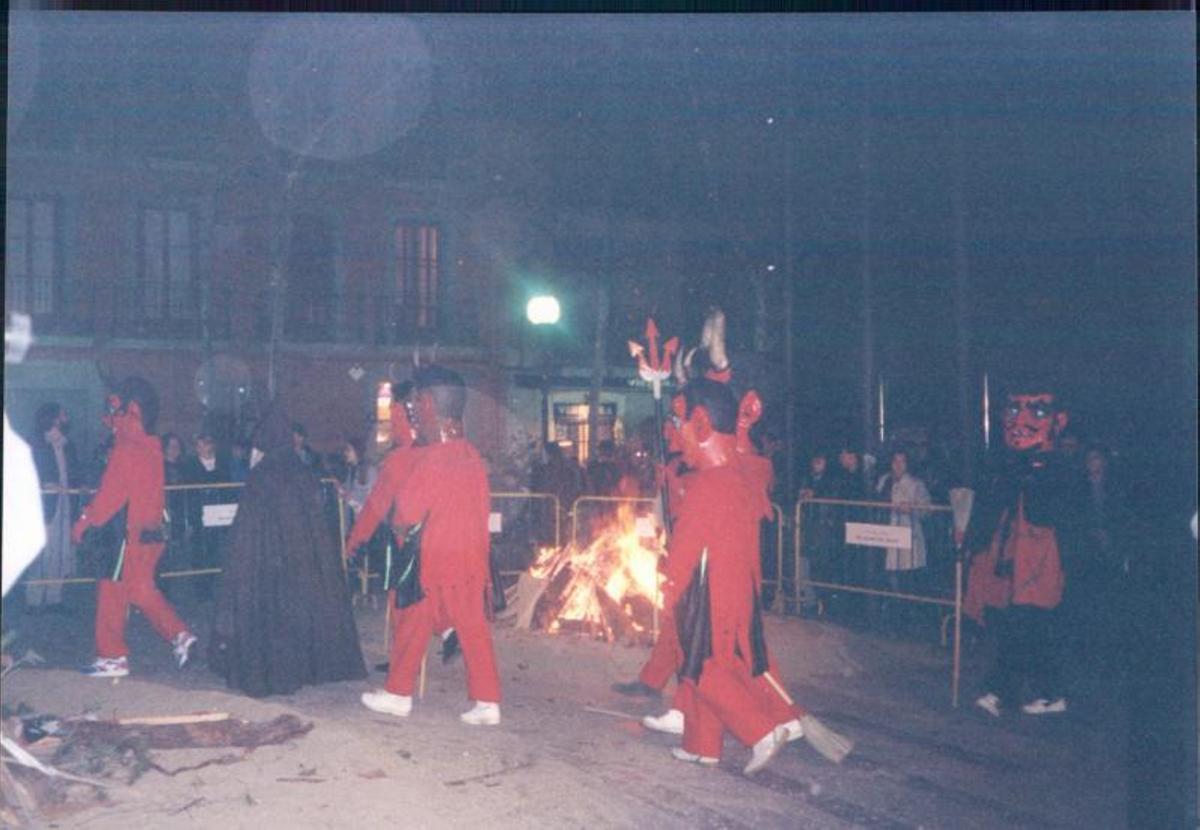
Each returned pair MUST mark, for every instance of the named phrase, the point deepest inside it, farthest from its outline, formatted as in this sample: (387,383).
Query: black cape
(283,615)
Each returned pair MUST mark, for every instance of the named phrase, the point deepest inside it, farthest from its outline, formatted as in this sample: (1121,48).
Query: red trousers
(459,607)
(665,657)
(724,699)
(772,700)
(135,587)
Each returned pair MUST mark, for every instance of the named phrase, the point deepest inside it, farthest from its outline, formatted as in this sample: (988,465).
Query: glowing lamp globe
(542,310)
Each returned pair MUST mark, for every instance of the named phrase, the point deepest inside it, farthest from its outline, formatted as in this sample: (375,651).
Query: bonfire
(608,589)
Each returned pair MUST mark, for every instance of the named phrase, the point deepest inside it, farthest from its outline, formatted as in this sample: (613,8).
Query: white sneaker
(482,714)
(1041,706)
(670,722)
(990,704)
(184,641)
(793,729)
(766,749)
(681,754)
(386,703)
(108,667)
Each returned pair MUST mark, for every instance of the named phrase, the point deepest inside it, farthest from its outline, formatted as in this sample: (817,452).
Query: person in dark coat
(283,615)
(204,543)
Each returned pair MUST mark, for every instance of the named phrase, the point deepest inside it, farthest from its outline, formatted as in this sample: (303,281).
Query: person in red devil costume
(664,657)
(133,480)
(1022,521)
(381,506)
(756,478)
(711,588)
(443,488)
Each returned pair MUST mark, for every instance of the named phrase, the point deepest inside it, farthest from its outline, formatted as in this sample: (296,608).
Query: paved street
(564,757)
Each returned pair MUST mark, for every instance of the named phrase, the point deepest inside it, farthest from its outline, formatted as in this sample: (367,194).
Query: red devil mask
(749,411)
(403,434)
(704,447)
(124,419)
(1032,422)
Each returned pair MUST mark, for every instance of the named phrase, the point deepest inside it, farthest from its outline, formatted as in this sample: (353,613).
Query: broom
(820,737)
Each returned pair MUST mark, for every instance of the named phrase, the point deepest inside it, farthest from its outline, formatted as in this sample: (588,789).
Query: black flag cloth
(404,571)
(758,640)
(693,619)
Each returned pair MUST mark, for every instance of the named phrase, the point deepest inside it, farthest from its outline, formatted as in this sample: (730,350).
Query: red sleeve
(114,490)
(381,497)
(412,493)
(691,532)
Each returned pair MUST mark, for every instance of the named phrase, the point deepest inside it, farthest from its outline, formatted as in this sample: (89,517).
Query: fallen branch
(221,760)
(458,782)
(195,802)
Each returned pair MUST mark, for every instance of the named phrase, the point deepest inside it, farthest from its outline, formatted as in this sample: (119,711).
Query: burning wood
(608,590)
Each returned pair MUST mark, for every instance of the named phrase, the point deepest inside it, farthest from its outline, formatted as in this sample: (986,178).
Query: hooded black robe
(283,615)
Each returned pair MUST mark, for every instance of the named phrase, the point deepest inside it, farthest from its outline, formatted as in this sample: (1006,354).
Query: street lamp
(543,310)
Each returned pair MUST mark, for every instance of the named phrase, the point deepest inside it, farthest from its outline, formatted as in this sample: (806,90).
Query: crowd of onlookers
(835,486)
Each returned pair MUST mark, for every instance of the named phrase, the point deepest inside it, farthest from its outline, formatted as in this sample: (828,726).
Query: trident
(654,369)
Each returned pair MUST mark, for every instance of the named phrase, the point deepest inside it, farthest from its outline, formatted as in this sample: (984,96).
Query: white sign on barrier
(646,526)
(878,536)
(495,522)
(219,515)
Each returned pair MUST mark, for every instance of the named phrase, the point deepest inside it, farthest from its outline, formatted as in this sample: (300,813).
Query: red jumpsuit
(134,476)
(758,475)
(380,503)
(665,657)
(720,515)
(447,487)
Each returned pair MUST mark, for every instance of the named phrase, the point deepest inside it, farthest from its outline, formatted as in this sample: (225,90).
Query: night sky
(1044,164)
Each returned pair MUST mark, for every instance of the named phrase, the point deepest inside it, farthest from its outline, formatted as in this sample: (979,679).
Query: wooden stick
(775,685)
(166,720)
(957,668)
(421,684)
(611,713)
(387,625)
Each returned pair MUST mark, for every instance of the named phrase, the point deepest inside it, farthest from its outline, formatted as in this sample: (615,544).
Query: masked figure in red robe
(711,586)
(133,480)
(1022,521)
(381,507)
(756,479)
(443,489)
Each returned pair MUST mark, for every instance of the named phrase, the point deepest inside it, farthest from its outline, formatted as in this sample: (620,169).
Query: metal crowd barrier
(186,521)
(508,511)
(600,501)
(881,512)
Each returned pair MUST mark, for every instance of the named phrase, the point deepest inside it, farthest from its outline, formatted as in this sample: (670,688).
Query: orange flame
(621,564)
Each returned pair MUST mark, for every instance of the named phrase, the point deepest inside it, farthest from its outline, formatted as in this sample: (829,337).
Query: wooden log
(167,720)
(228,732)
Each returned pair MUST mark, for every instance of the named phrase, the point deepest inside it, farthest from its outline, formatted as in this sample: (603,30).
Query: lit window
(383,413)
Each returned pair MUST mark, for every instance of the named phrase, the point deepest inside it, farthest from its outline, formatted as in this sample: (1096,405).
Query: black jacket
(1052,499)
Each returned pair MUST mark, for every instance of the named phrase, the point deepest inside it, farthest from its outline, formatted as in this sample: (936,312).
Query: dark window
(310,274)
(32,256)
(418,275)
(167,257)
